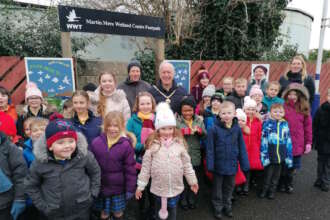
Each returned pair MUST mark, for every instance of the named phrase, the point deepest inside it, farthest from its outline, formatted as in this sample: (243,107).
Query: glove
(308,148)
(17,208)
(198,130)
(129,195)
(186,131)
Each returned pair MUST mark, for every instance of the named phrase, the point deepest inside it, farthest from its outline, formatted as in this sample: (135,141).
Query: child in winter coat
(321,142)
(141,124)
(193,130)
(257,95)
(166,161)
(276,149)
(252,142)
(37,126)
(64,178)
(83,119)
(212,112)
(114,151)
(224,150)
(271,97)
(12,172)
(297,114)
(208,92)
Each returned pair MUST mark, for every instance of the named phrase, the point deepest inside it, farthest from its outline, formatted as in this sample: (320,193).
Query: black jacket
(236,99)
(296,78)
(321,129)
(179,93)
(14,168)
(63,191)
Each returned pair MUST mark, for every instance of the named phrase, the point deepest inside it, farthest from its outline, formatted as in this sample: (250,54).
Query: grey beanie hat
(132,63)
(209,91)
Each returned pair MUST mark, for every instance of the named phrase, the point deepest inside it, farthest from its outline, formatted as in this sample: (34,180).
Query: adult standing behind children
(227,86)
(298,74)
(133,85)
(109,98)
(84,119)
(34,107)
(237,97)
(5,105)
(321,142)
(166,90)
(224,150)
(203,82)
(259,73)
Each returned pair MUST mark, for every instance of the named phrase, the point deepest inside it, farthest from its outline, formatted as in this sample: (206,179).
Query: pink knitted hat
(255,90)
(32,90)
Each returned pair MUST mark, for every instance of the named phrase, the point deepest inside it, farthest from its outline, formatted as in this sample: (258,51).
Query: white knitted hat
(249,103)
(240,114)
(32,90)
(164,116)
(209,90)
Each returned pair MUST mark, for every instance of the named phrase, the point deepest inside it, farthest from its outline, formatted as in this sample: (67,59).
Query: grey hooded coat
(63,191)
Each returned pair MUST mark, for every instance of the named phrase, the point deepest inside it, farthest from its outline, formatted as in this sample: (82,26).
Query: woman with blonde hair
(298,74)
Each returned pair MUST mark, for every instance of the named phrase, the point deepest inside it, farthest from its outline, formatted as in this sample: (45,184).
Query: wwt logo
(72,18)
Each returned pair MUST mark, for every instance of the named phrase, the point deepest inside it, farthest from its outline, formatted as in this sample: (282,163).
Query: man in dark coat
(237,97)
(166,90)
(133,85)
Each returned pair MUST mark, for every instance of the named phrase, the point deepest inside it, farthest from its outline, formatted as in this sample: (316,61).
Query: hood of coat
(298,87)
(3,139)
(24,110)
(41,152)
(128,135)
(326,107)
(223,125)
(155,145)
(117,96)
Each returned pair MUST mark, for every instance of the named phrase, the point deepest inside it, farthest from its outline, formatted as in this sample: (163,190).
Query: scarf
(189,123)
(147,125)
(166,142)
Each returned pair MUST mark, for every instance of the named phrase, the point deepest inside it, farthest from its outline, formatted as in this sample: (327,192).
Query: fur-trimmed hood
(41,152)
(118,95)
(296,86)
(22,110)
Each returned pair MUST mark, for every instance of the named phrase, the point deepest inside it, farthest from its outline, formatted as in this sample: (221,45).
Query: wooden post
(66,44)
(160,55)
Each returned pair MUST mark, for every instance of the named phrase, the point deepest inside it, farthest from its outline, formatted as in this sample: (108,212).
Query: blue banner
(53,76)
(182,73)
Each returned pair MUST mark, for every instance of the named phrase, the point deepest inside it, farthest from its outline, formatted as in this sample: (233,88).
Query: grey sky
(314,7)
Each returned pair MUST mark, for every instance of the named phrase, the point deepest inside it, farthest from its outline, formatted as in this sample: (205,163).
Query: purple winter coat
(118,174)
(300,129)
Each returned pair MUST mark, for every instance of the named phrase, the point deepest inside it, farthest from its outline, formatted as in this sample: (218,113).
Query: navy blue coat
(225,149)
(92,127)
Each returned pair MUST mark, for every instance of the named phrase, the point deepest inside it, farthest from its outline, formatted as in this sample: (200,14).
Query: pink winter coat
(253,142)
(300,129)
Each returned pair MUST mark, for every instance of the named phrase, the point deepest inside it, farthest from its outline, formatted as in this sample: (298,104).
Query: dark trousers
(147,205)
(31,212)
(286,178)
(223,187)
(188,197)
(323,169)
(272,176)
(5,214)
(171,211)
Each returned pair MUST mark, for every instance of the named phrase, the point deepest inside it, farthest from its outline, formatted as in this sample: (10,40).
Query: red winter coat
(300,127)
(253,142)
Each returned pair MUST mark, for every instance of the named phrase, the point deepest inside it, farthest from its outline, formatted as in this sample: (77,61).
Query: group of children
(89,166)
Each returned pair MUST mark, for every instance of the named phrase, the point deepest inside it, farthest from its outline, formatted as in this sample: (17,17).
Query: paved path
(307,202)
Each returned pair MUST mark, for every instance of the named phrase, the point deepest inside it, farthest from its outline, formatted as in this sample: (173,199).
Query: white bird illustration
(51,90)
(30,72)
(40,80)
(72,16)
(60,87)
(66,80)
(47,76)
(40,72)
(55,80)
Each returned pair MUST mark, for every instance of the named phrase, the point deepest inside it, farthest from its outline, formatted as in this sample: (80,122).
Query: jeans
(223,187)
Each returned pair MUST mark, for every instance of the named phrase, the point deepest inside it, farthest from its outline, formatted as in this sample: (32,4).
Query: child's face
(257,98)
(80,104)
(240,89)
(3,100)
(293,96)
(204,81)
(227,85)
(63,148)
(187,112)
(67,111)
(37,131)
(250,111)
(34,101)
(227,114)
(241,123)
(27,130)
(113,130)
(216,104)
(145,104)
(277,113)
(272,91)
(207,100)
(107,83)
(166,132)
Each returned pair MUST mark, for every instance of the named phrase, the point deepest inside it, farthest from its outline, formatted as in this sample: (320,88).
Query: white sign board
(265,65)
